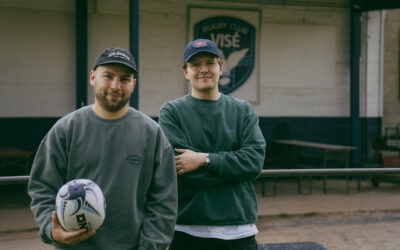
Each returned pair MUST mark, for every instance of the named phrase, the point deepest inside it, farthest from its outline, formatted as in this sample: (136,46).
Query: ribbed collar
(89,110)
(203,102)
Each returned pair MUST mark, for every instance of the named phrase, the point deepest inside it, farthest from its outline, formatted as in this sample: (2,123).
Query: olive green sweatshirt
(222,192)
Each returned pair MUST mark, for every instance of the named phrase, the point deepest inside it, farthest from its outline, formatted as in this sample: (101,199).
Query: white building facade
(302,60)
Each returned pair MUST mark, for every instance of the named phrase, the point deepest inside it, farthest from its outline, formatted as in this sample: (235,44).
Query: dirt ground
(360,230)
(368,220)
(22,241)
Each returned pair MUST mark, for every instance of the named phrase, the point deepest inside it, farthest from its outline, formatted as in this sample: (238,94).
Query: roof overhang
(366,5)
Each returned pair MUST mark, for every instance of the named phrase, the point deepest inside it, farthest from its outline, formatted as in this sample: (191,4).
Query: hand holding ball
(80,204)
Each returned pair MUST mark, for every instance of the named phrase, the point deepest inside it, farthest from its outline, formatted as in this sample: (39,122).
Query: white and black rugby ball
(80,204)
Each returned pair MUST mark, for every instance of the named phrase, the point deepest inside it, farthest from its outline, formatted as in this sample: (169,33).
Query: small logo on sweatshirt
(230,131)
(134,160)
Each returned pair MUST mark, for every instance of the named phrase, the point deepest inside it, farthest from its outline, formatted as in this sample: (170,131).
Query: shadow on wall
(27,133)
(282,131)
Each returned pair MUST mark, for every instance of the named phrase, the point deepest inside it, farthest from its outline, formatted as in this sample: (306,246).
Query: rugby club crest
(235,39)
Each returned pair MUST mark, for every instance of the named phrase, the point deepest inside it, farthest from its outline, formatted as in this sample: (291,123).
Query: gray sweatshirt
(132,162)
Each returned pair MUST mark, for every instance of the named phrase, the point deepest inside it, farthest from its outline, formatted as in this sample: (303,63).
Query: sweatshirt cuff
(215,160)
(46,234)
(49,239)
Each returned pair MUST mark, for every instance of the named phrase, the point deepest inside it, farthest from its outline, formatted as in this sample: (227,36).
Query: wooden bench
(389,158)
(328,152)
(14,159)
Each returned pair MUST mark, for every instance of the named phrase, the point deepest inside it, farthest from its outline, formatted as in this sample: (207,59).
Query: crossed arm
(188,160)
(243,164)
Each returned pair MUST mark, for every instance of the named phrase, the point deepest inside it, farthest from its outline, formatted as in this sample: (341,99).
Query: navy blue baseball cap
(116,55)
(200,45)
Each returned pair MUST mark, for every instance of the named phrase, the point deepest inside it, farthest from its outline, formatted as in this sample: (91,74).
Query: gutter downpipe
(355,51)
(134,46)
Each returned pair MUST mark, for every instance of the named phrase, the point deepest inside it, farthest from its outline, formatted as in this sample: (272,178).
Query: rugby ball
(80,204)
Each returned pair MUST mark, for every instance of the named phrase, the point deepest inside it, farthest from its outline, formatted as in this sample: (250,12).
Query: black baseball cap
(200,45)
(116,55)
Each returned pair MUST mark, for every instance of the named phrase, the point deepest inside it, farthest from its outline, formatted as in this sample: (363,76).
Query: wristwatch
(207,159)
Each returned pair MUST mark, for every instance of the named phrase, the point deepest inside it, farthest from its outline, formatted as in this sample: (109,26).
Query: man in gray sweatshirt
(122,150)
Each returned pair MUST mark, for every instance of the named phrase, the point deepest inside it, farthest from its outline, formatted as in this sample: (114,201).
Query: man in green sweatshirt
(219,152)
(122,150)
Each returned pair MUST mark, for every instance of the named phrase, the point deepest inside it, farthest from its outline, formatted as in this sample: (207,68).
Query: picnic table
(14,159)
(328,152)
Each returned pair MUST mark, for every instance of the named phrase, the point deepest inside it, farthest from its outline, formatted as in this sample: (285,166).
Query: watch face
(207,158)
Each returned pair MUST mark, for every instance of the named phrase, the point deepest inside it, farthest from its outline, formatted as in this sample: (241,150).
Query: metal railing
(328,171)
(268,173)
(14,179)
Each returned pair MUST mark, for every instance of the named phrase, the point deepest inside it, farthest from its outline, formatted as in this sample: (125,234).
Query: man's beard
(110,106)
